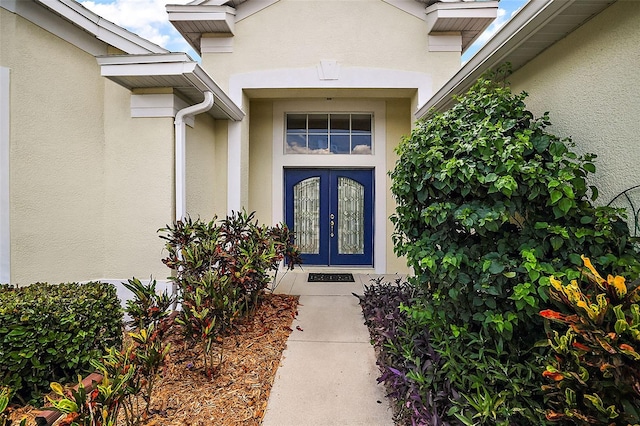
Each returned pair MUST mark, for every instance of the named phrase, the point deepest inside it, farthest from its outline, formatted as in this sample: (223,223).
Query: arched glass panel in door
(331,214)
(306,215)
(350,216)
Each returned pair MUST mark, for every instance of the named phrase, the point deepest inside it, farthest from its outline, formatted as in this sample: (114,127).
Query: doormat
(327,278)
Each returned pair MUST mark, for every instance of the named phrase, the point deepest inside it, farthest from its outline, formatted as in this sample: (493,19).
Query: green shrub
(489,204)
(594,370)
(51,332)
(221,270)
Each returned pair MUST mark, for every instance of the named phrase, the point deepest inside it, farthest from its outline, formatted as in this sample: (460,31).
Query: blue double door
(331,213)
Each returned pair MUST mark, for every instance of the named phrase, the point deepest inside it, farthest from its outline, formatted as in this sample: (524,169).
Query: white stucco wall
(56,147)
(590,83)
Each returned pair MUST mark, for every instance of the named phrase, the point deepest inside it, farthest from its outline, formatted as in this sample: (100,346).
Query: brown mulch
(239,391)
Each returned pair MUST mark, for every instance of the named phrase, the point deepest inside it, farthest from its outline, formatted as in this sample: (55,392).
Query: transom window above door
(329,133)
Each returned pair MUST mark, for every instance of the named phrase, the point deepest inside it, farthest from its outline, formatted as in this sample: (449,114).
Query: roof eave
(102,29)
(174,70)
(498,50)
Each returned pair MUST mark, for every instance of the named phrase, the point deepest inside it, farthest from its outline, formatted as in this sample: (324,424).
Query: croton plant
(594,368)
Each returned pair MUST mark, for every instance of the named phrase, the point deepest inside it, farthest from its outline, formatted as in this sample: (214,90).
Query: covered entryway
(331,213)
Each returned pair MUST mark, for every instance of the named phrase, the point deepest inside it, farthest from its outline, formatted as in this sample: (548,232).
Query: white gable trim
(5,234)
(414,8)
(249,8)
(70,21)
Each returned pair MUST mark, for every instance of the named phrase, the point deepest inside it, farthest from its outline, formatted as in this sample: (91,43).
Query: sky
(507,8)
(148,19)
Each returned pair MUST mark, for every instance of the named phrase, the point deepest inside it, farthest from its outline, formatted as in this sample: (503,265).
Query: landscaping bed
(239,391)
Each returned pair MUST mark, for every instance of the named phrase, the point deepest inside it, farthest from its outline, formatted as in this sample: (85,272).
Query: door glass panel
(306,215)
(350,216)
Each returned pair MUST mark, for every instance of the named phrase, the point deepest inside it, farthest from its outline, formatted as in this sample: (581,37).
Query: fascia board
(533,16)
(176,64)
(200,9)
(104,30)
(488,10)
(222,100)
(176,57)
(464,10)
(414,8)
(249,8)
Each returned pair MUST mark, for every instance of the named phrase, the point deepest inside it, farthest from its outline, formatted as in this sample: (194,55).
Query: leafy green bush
(489,203)
(128,374)
(594,371)
(52,332)
(222,268)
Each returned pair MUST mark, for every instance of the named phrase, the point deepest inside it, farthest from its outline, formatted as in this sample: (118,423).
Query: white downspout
(181,162)
(181,136)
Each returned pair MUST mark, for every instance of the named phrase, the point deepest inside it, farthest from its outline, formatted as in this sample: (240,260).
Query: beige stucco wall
(138,189)
(221,136)
(89,185)
(56,148)
(261,160)
(398,125)
(201,169)
(301,33)
(590,83)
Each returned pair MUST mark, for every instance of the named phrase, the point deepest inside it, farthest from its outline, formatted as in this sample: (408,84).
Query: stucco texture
(56,147)
(201,155)
(89,185)
(260,160)
(355,33)
(398,126)
(138,189)
(590,84)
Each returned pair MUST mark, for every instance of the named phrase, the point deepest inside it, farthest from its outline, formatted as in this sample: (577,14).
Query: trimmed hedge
(51,332)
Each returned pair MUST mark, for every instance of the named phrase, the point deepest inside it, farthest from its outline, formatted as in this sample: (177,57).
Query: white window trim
(376,161)
(5,235)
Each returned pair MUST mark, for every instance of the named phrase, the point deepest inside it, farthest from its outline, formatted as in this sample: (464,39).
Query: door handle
(332,223)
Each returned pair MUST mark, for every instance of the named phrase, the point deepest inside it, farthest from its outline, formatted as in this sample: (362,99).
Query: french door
(331,213)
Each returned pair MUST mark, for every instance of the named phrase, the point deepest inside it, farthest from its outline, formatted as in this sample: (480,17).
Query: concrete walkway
(327,375)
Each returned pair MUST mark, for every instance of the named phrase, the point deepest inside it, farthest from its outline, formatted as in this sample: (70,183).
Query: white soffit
(538,25)
(194,20)
(469,18)
(172,70)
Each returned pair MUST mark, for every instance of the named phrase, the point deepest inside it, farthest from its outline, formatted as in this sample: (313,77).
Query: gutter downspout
(181,162)
(181,136)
